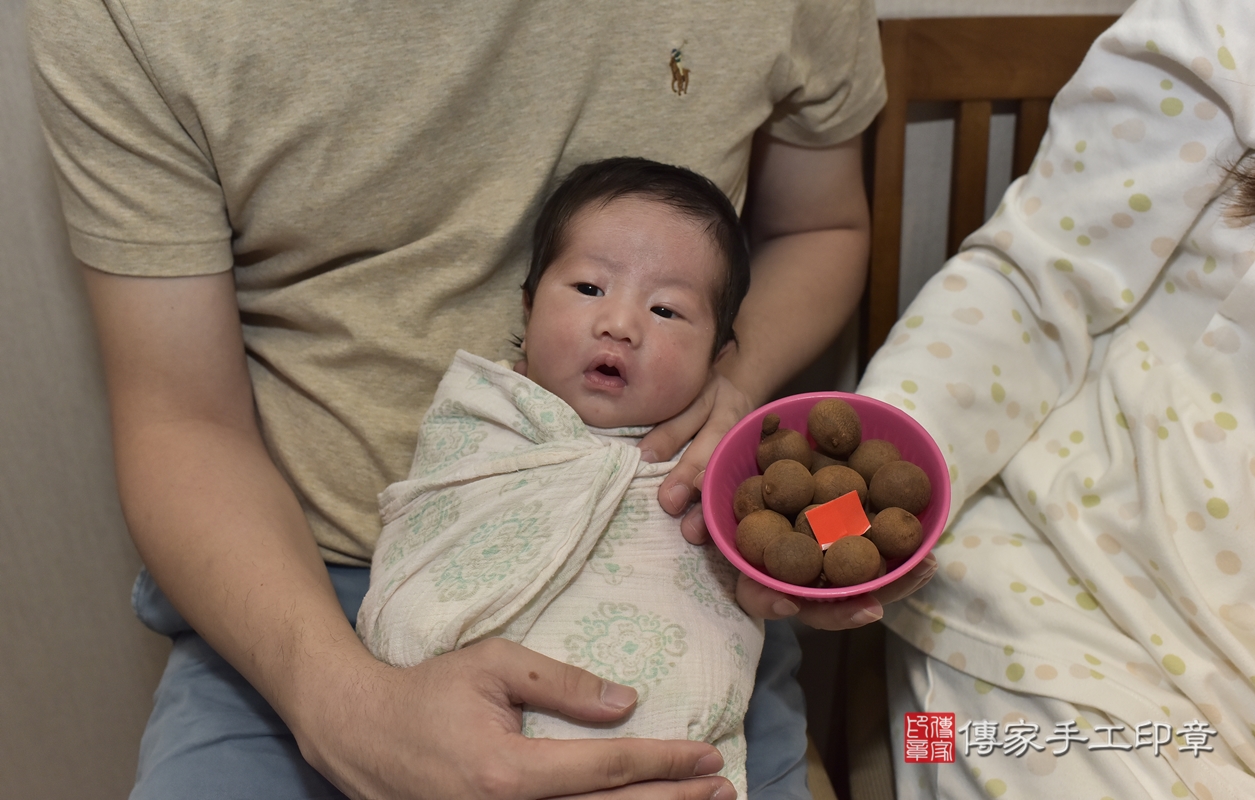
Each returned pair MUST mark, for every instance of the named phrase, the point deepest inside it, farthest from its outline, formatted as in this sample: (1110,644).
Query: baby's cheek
(681,388)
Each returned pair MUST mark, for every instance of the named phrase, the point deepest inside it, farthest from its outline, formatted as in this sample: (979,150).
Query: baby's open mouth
(606,372)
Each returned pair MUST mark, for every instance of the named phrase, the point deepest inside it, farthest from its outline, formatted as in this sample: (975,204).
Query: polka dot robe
(1087,365)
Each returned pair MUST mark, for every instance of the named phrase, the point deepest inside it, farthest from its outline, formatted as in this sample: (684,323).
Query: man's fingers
(666,439)
(684,482)
(695,789)
(676,492)
(537,680)
(693,526)
(550,767)
(705,421)
(576,766)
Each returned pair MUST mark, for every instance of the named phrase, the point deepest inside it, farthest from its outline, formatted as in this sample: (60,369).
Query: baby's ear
(723,351)
(527,313)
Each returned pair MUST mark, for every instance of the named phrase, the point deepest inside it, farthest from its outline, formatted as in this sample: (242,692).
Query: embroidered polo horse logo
(679,75)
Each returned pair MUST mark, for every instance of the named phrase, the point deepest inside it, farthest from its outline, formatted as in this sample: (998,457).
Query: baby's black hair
(682,189)
(1243,206)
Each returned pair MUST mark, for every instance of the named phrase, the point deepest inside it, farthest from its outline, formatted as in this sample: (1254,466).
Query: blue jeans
(212,735)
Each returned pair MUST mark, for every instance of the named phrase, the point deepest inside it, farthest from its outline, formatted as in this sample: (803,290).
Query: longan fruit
(784,443)
(819,461)
(901,484)
(794,558)
(851,560)
(897,533)
(748,497)
(788,487)
(756,531)
(833,482)
(835,427)
(871,455)
(802,524)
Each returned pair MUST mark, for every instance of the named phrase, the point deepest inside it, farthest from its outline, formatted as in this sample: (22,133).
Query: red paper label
(838,518)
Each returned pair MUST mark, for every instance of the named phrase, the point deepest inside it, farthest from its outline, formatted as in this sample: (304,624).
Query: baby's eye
(588,289)
(663,312)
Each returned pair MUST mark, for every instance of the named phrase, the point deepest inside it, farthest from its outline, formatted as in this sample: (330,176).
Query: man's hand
(449,727)
(809,227)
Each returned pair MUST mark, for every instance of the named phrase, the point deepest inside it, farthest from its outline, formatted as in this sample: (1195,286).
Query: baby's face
(623,320)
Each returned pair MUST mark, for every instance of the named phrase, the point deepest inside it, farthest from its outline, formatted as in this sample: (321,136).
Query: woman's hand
(720,406)
(759,601)
(706,420)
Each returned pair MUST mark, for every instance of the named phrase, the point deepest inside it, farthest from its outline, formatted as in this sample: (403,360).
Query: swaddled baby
(528,512)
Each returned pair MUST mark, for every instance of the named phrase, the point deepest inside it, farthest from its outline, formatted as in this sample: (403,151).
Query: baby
(528,512)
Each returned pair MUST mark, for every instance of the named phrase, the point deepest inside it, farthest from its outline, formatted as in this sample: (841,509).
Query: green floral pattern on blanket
(620,643)
(519,521)
(630,516)
(543,417)
(449,434)
(423,524)
(493,551)
(722,725)
(734,769)
(710,579)
(720,719)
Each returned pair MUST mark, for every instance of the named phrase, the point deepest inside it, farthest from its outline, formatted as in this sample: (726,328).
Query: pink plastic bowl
(735,459)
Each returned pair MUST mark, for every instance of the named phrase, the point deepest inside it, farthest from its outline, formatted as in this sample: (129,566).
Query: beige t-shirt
(371,172)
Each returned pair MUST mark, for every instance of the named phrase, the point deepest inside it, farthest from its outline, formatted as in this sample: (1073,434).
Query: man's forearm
(805,288)
(809,225)
(226,540)
(212,517)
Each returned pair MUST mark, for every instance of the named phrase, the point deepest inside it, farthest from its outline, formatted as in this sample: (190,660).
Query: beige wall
(77,670)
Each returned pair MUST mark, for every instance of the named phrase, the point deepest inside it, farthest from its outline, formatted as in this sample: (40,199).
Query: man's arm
(225,537)
(809,229)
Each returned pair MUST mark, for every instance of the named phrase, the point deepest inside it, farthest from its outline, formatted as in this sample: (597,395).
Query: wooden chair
(971,62)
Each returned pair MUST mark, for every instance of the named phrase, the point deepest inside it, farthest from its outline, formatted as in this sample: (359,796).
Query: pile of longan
(773,532)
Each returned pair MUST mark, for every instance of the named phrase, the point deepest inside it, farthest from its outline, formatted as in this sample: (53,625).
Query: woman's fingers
(909,583)
(759,601)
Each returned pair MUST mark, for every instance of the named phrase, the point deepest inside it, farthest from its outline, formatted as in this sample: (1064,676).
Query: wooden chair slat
(1030,127)
(970,171)
(971,61)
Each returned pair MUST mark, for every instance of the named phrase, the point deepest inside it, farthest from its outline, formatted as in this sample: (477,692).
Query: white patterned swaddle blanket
(518,520)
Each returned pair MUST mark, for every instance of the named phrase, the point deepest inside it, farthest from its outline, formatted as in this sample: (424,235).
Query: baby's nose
(621,323)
